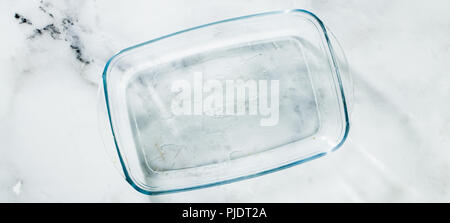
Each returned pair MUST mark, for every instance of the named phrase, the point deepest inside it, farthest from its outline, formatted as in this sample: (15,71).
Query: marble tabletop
(53,53)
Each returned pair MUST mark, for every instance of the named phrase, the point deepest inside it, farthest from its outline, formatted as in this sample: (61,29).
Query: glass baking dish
(225,101)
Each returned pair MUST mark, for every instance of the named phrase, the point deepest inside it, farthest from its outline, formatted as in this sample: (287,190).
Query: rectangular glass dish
(225,101)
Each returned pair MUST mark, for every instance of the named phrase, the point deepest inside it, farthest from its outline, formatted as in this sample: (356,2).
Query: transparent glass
(161,149)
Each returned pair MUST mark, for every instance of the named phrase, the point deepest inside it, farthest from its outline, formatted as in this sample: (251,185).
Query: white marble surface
(399,144)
